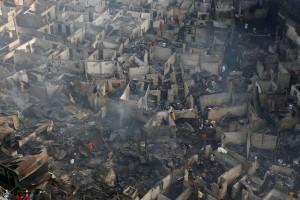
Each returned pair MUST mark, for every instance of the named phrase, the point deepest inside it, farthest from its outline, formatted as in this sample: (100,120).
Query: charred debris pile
(150,100)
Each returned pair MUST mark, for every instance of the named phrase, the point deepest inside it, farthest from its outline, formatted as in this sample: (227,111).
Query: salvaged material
(150,100)
(24,172)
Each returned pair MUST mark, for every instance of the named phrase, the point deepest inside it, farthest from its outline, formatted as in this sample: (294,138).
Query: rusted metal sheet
(24,172)
(31,164)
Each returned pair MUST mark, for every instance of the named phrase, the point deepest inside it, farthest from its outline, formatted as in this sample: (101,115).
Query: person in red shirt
(90,146)
(18,197)
(161,26)
(203,137)
(26,197)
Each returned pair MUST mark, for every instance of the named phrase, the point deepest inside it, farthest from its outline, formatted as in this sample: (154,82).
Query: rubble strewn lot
(150,100)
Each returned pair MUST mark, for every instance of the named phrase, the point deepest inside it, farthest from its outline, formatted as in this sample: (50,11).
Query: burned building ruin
(150,99)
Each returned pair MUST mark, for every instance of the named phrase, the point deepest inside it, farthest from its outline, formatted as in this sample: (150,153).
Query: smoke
(123,114)
(17,98)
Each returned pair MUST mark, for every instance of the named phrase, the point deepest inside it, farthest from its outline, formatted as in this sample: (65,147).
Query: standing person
(203,137)
(18,197)
(161,26)
(31,195)
(90,146)
(26,197)
(201,124)
(191,177)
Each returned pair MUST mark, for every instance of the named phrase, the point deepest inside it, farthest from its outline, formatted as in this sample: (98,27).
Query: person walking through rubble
(26,197)
(161,26)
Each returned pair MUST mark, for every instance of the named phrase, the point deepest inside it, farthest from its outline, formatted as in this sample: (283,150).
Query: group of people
(207,130)
(23,196)
(30,195)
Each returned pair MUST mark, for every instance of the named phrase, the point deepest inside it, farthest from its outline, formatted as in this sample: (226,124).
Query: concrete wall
(147,16)
(211,63)
(45,29)
(276,169)
(212,67)
(190,59)
(93,56)
(232,174)
(162,53)
(219,112)
(65,54)
(229,160)
(29,21)
(170,62)
(51,11)
(234,138)
(101,7)
(100,68)
(24,60)
(70,66)
(77,35)
(166,182)
(23,2)
(44,44)
(133,13)
(19,2)
(138,72)
(92,3)
(226,179)
(186,114)
(215,99)
(110,45)
(257,140)
(263,141)
(163,185)
(108,54)
(145,26)
(101,19)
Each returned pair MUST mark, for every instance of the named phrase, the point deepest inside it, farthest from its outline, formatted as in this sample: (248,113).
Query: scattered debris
(130,100)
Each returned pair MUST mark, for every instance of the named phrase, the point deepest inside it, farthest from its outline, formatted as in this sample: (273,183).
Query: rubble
(25,171)
(167,99)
